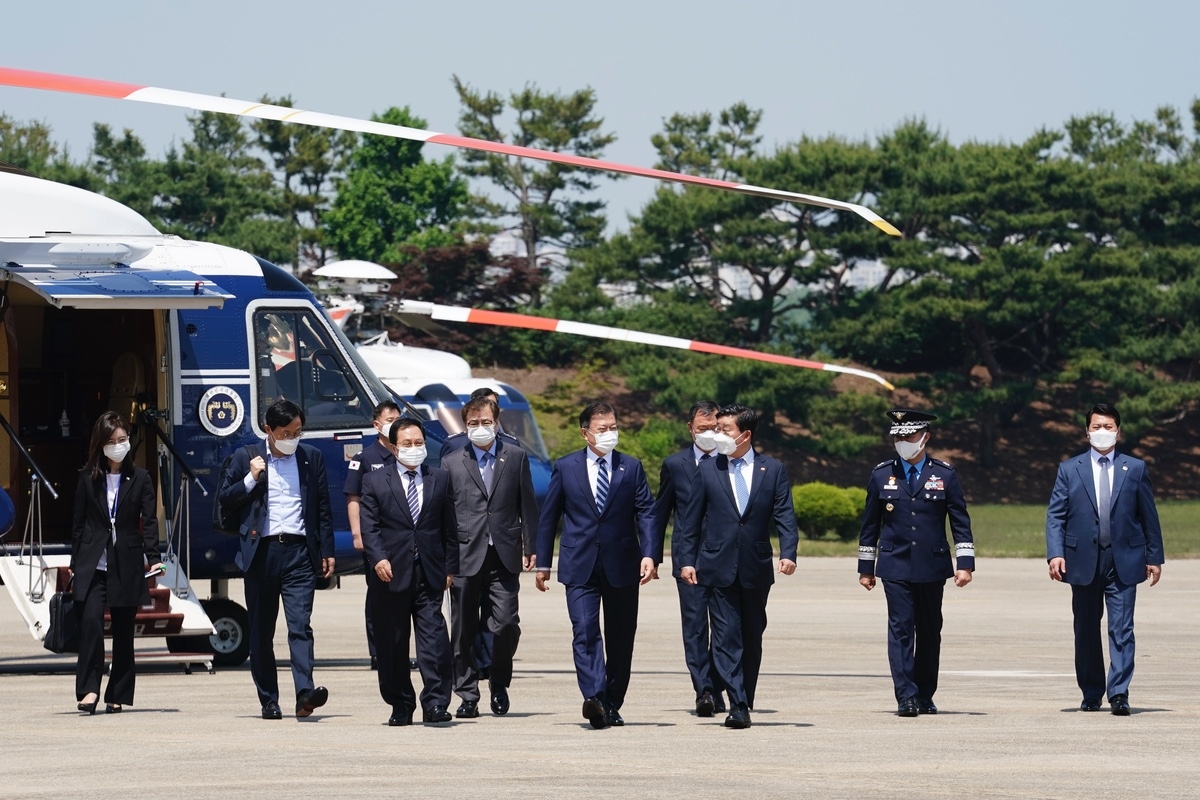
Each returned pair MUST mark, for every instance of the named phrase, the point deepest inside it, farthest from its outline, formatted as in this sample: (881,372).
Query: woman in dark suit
(114,536)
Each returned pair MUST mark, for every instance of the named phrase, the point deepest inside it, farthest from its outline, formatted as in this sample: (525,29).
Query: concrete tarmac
(825,727)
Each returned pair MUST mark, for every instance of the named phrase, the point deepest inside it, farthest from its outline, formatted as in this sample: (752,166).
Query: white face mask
(909,450)
(725,443)
(411,456)
(385,428)
(706,440)
(606,442)
(286,446)
(117,452)
(483,435)
(1102,439)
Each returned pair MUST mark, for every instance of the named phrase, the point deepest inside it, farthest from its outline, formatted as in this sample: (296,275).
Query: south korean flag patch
(353,465)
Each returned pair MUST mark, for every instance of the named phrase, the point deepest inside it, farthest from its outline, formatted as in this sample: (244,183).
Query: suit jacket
(137,535)
(252,505)
(1073,523)
(908,530)
(724,546)
(457,441)
(509,514)
(389,532)
(674,496)
(620,536)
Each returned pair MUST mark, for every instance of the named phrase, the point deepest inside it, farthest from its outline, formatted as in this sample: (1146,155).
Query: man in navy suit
(409,537)
(674,496)
(1103,538)
(723,542)
(286,542)
(606,552)
(903,543)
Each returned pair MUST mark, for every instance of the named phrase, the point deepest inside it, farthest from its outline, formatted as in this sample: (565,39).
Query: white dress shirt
(697,454)
(113,485)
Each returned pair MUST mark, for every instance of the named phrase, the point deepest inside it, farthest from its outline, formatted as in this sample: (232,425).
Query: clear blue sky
(979,70)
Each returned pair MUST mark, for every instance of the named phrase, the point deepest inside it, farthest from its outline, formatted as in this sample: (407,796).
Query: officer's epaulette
(887,463)
(941,463)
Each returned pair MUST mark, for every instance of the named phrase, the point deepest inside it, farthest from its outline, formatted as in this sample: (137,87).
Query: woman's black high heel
(112,708)
(89,708)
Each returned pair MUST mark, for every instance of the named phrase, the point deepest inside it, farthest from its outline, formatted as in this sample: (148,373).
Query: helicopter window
(298,360)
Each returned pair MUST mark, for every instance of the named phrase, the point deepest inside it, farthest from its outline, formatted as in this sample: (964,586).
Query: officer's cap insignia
(908,420)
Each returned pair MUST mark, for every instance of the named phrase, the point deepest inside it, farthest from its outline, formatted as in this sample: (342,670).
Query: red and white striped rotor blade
(48,81)
(510,320)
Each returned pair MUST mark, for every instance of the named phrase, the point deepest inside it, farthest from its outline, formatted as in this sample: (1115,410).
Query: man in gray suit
(492,492)
(1103,538)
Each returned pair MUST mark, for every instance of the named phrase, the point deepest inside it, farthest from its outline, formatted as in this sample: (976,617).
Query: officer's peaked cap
(908,420)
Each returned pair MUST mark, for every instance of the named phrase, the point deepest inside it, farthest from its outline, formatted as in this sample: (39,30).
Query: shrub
(821,508)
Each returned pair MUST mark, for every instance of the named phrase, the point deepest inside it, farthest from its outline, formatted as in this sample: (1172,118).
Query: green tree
(308,161)
(217,189)
(30,146)
(391,198)
(550,207)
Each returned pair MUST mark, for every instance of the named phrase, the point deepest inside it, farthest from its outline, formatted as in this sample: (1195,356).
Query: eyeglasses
(610,428)
(476,423)
(120,440)
(287,437)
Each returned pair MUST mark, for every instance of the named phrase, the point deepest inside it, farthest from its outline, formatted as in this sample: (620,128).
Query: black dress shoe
(925,706)
(1120,705)
(907,708)
(1089,705)
(112,708)
(272,711)
(485,673)
(500,704)
(436,715)
(705,705)
(738,719)
(593,712)
(614,718)
(413,665)
(309,700)
(468,710)
(399,718)
(720,707)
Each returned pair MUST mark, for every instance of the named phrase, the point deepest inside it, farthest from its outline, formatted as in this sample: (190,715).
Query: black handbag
(63,634)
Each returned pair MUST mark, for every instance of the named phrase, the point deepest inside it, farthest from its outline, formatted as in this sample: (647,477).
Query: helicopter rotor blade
(511,320)
(47,81)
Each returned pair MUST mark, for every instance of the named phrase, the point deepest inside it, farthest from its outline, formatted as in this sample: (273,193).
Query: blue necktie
(1104,504)
(601,484)
(485,472)
(739,484)
(912,478)
(414,504)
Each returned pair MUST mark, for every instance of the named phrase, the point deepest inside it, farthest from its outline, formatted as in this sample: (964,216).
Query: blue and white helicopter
(191,341)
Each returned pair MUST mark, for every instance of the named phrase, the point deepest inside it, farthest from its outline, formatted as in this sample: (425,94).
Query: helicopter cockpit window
(297,359)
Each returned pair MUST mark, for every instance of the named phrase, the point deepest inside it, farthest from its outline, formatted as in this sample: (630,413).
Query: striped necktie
(414,503)
(601,484)
(739,484)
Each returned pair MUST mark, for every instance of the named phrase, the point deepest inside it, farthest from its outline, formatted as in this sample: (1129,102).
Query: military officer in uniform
(903,543)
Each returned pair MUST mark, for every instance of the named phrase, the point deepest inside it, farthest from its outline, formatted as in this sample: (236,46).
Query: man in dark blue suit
(606,552)
(674,496)
(1103,538)
(723,542)
(903,543)
(286,541)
